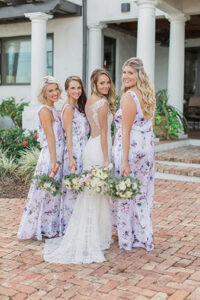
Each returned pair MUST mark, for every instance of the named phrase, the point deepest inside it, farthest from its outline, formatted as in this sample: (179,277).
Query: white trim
(176,177)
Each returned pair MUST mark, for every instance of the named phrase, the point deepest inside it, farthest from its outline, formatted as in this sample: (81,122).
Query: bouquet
(48,184)
(101,181)
(127,187)
(96,180)
(74,182)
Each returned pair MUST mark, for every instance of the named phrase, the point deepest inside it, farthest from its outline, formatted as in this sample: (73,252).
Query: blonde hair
(111,94)
(142,83)
(45,81)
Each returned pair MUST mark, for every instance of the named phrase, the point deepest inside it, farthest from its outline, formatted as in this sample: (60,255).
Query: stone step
(177,168)
(188,154)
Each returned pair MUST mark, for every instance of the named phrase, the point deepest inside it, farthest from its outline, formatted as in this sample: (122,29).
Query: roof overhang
(14,10)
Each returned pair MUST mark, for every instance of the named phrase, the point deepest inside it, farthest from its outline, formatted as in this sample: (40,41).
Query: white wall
(161,67)
(125,48)
(67,54)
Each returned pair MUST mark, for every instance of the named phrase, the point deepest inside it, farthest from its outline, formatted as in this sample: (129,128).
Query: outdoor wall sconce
(125,7)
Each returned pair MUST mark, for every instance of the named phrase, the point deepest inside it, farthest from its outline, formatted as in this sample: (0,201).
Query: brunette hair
(111,94)
(142,83)
(45,81)
(83,98)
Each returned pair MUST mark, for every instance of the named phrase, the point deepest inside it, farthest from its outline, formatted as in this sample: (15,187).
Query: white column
(176,60)
(95,49)
(146,35)
(38,64)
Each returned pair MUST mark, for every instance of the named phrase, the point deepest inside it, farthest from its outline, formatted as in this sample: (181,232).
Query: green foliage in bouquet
(10,108)
(16,139)
(48,184)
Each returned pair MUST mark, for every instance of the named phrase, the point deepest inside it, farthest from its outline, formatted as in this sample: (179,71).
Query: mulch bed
(14,189)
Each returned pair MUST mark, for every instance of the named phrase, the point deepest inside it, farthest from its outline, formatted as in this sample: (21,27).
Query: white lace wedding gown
(89,231)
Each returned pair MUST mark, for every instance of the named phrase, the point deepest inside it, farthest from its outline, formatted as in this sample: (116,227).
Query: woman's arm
(102,117)
(128,116)
(67,121)
(47,120)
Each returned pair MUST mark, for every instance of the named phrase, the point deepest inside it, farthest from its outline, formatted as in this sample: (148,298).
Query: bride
(89,231)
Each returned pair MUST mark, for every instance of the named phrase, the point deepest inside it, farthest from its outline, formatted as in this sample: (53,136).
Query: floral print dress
(132,218)
(80,130)
(42,210)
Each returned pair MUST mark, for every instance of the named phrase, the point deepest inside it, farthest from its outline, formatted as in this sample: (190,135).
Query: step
(188,154)
(178,168)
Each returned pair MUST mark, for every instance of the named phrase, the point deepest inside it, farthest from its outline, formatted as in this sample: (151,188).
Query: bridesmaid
(76,128)
(42,211)
(133,155)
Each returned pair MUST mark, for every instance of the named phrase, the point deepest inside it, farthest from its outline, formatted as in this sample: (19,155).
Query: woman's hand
(54,169)
(72,165)
(106,164)
(125,169)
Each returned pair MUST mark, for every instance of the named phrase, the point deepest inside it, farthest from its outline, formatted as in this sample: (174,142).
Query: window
(192,72)
(109,56)
(15,60)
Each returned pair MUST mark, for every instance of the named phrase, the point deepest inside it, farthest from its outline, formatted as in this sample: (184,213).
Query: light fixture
(125,7)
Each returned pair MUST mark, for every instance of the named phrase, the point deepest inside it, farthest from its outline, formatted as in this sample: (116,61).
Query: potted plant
(169,121)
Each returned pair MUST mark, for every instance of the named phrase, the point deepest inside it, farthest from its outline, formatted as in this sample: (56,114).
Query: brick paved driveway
(171,271)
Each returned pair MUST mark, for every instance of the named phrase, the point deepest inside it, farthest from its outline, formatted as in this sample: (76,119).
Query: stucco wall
(125,48)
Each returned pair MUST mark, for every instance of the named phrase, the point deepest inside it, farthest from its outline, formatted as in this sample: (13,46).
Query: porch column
(176,60)
(38,64)
(95,48)
(146,35)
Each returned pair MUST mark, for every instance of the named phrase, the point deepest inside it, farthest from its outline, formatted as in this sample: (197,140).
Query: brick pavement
(171,271)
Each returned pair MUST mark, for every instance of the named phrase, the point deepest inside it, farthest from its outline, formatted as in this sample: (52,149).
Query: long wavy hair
(83,98)
(142,83)
(111,94)
(45,81)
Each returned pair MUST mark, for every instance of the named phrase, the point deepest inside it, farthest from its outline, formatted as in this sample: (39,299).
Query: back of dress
(93,155)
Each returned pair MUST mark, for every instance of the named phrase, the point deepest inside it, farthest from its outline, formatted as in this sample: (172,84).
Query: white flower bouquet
(127,187)
(49,184)
(101,181)
(97,182)
(74,182)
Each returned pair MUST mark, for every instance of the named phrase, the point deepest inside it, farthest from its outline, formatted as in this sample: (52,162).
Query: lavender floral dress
(42,211)
(132,218)
(80,130)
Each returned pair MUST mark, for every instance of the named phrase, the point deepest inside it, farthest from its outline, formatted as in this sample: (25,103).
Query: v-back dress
(89,231)
(80,130)
(42,210)
(132,218)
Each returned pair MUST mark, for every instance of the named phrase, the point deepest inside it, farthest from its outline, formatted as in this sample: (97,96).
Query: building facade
(63,38)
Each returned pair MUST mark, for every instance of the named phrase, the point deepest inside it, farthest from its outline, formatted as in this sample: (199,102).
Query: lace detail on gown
(89,231)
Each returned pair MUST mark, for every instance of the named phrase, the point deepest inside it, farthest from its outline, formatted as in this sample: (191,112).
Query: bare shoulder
(127,100)
(68,109)
(94,99)
(45,113)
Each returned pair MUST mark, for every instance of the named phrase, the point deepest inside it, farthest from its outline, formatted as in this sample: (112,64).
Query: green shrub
(27,163)
(8,167)
(10,108)
(169,121)
(16,139)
